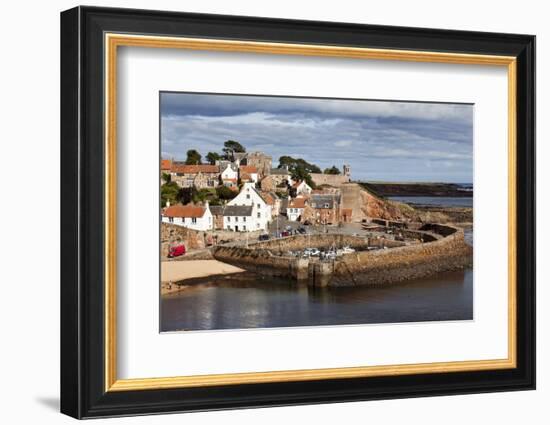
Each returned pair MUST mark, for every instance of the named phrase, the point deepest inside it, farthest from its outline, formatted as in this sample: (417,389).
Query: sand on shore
(175,271)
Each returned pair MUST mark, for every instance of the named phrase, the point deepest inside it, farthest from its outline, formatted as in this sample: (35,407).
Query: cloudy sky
(381,140)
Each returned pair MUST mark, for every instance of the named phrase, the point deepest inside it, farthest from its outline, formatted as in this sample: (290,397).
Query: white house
(239,218)
(295,208)
(230,173)
(190,216)
(261,211)
(302,188)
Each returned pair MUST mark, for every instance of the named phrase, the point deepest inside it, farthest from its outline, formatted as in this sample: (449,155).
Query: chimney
(167,203)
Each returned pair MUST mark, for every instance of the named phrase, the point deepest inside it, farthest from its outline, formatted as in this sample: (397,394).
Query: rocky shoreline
(386,189)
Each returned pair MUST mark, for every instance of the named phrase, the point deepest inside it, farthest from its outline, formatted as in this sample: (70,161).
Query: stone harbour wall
(403,263)
(397,261)
(263,262)
(300,242)
(172,234)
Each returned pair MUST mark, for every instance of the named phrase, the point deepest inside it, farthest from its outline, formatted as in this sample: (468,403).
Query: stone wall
(300,242)
(351,199)
(172,234)
(261,161)
(399,262)
(263,262)
(403,263)
(329,179)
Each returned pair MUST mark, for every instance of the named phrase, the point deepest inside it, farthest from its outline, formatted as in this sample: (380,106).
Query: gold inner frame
(113,41)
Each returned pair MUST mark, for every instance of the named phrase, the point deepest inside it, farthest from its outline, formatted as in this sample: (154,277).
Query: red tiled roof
(195,169)
(249,169)
(245,177)
(165,164)
(297,203)
(267,198)
(184,211)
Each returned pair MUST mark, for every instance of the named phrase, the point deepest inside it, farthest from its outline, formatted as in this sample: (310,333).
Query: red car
(176,251)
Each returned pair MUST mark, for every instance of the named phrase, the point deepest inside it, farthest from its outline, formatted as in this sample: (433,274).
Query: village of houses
(240,200)
(267,200)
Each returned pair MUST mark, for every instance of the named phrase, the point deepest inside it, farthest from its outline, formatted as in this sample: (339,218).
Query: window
(244,218)
(228,219)
(171,219)
(244,228)
(259,206)
(248,196)
(257,225)
(236,219)
(194,220)
(259,215)
(228,227)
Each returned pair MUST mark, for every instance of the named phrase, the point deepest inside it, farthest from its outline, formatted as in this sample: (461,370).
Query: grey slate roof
(237,210)
(319,201)
(216,209)
(223,163)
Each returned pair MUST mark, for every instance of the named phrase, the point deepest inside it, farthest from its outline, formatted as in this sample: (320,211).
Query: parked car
(264,237)
(176,251)
(302,230)
(285,233)
(347,250)
(311,252)
(328,255)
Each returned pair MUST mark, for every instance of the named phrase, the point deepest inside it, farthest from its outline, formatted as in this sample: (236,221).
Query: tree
(203,195)
(224,193)
(299,169)
(332,170)
(292,163)
(212,157)
(170,192)
(230,147)
(193,157)
(166,177)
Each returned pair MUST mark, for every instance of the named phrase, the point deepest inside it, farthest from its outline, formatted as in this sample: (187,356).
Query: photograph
(279,211)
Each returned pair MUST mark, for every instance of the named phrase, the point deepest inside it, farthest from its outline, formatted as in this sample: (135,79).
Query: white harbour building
(260,214)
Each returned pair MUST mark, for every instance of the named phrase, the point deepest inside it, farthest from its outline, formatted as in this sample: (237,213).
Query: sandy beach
(176,271)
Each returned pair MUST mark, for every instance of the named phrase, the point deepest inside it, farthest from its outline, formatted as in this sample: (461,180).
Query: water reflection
(246,301)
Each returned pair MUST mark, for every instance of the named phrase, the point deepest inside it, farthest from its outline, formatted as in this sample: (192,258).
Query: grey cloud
(381,140)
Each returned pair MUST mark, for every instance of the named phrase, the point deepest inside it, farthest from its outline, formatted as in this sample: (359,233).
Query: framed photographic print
(261,212)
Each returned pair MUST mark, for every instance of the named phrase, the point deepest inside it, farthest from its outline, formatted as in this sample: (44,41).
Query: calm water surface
(239,303)
(248,301)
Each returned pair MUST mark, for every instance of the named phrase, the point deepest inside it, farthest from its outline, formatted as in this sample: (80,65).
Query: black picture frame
(83,392)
